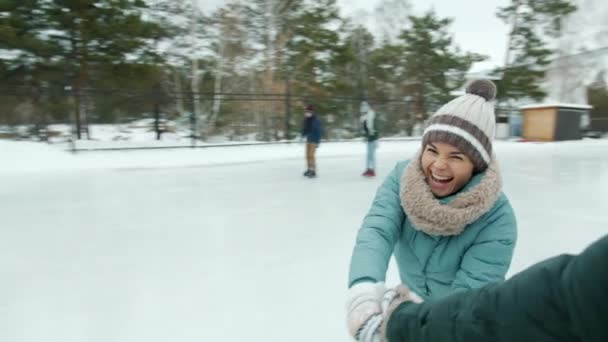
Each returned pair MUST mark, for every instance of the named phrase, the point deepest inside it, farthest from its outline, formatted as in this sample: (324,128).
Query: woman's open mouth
(441,179)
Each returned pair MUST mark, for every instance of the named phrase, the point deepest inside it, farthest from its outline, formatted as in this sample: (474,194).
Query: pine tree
(186,48)
(534,24)
(433,65)
(27,66)
(93,35)
(311,46)
(352,67)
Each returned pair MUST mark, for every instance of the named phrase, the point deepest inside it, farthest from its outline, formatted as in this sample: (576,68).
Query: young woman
(442,214)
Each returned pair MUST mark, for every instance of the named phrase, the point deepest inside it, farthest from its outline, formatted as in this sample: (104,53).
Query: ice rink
(233,244)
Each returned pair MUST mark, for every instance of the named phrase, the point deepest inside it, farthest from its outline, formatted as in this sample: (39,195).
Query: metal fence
(128,117)
(53,113)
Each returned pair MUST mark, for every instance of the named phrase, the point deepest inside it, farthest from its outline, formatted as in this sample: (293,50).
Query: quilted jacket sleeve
(379,232)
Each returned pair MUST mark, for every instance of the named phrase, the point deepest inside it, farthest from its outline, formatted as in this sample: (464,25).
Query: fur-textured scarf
(429,215)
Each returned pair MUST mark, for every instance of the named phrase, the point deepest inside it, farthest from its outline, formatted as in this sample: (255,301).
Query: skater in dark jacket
(311,129)
(564,298)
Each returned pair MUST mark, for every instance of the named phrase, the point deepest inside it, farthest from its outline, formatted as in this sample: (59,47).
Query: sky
(475,26)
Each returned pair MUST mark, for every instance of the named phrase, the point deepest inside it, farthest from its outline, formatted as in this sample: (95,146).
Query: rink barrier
(74,149)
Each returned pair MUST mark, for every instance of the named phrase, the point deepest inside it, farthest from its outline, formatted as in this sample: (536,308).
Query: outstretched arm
(561,299)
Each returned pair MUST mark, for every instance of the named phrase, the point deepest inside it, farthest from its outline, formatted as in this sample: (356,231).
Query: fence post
(73,127)
(192,129)
(193,114)
(288,112)
(157,127)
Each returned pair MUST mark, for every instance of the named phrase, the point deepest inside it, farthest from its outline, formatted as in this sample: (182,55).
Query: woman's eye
(457,158)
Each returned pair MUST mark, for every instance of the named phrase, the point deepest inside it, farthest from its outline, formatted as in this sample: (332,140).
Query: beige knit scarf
(429,215)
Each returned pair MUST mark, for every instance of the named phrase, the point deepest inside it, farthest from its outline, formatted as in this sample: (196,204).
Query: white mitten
(363,304)
(390,301)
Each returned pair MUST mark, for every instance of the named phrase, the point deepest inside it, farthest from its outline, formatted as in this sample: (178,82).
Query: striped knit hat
(467,122)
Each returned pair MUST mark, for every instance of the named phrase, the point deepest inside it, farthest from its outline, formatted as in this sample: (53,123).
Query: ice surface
(232,244)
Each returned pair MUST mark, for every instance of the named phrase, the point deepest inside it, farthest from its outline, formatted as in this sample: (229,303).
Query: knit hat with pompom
(467,122)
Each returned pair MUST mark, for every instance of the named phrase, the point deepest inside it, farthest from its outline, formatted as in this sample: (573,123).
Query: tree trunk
(256,108)
(77,120)
(510,37)
(157,127)
(217,89)
(287,134)
(194,87)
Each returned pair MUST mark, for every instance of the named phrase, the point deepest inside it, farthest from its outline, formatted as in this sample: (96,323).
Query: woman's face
(446,168)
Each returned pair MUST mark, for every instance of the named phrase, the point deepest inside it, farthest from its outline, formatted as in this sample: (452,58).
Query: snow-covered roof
(557,104)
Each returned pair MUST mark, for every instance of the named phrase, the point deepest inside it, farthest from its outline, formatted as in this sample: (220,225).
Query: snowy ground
(138,133)
(231,244)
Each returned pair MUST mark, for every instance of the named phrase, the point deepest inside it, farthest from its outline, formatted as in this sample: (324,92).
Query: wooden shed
(553,121)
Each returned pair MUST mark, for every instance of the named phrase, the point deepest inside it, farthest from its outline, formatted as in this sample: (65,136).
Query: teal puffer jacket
(433,266)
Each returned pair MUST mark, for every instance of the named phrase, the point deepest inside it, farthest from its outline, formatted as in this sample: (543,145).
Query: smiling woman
(446,168)
(442,215)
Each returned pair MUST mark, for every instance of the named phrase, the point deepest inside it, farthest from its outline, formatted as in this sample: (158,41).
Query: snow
(232,243)
(140,132)
(135,134)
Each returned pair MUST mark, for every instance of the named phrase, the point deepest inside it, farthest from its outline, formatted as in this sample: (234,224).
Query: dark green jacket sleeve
(560,299)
